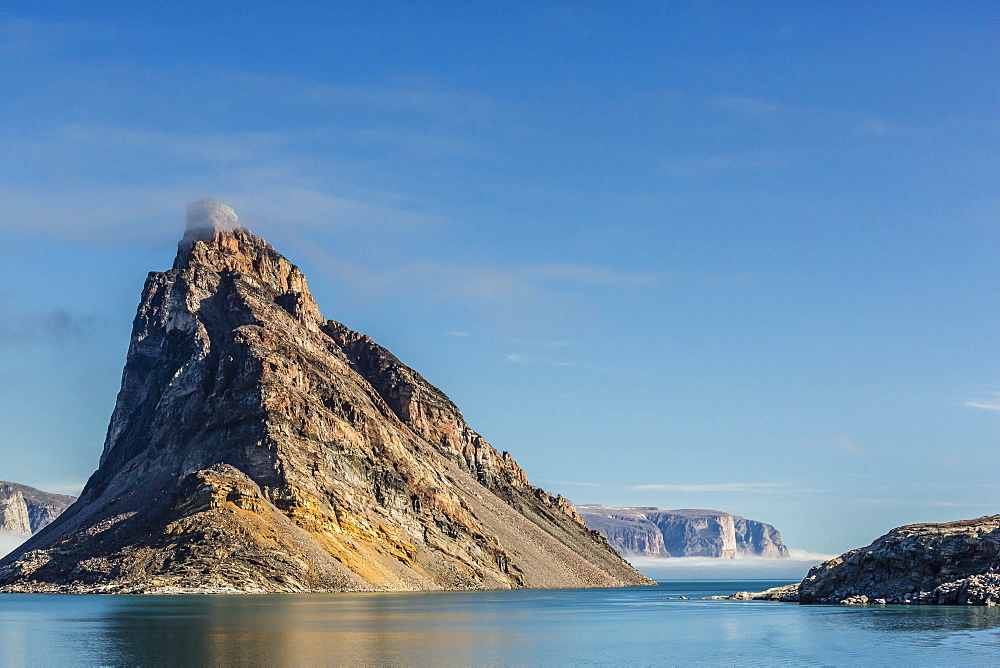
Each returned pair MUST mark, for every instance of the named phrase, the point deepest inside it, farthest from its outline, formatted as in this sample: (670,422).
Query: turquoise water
(637,626)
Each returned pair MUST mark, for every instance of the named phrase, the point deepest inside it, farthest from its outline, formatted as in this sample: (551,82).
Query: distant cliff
(24,510)
(683,533)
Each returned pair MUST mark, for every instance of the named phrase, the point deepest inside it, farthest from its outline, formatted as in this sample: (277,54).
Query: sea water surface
(634,626)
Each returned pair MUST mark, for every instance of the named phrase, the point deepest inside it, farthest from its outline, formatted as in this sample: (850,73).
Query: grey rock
(785,593)
(256,446)
(25,510)
(953,563)
(647,531)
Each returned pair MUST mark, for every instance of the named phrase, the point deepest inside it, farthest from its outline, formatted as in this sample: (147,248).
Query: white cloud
(756,487)
(743,487)
(991,404)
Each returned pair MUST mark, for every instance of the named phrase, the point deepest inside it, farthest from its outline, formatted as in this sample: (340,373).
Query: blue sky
(726,255)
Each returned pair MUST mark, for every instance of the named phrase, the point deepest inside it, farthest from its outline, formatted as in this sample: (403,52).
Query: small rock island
(951,563)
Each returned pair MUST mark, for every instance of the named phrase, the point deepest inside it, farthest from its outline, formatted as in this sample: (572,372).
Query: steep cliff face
(955,563)
(13,511)
(256,446)
(25,510)
(683,533)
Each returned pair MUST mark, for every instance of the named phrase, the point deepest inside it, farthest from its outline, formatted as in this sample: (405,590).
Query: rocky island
(650,532)
(952,563)
(257,447)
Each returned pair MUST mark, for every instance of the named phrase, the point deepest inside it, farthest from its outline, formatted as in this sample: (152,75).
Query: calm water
(639,626)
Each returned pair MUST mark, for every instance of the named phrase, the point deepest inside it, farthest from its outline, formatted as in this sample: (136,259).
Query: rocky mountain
(954,563)
(683,533)
(256,446)
(25,510)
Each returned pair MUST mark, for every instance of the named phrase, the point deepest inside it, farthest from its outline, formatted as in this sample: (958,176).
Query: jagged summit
(256,446)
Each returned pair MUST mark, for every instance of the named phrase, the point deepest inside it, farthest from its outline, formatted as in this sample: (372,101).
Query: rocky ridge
(25,510)
(650,532)
(256,446)
(952,563)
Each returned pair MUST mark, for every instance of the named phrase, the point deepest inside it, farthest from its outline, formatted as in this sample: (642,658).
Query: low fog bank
(709,568)
(9,541)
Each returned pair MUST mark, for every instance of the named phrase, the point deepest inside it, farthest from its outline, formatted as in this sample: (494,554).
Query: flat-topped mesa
(254,446)
(650,532)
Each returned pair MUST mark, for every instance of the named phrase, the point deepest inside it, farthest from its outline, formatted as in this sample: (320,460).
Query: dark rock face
(256,446)
(25,510)
(683,533)
(955,563)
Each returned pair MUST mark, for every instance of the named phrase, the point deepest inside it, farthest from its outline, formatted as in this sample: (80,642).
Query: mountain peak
(256,446)
(206,220)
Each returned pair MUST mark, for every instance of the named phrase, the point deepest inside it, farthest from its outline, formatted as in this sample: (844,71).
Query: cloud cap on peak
(208,216)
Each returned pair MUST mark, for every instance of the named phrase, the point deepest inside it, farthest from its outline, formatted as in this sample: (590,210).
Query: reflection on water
(314,629)
(605,626)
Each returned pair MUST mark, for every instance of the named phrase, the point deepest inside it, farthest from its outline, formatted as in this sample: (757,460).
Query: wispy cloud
(727,487)
(747,105)
(56,327)
(521,358)
(842,444)
(990,404)
(712,165)
(479,283)
(751,487)
(31,38)
(541,343)
(922,504)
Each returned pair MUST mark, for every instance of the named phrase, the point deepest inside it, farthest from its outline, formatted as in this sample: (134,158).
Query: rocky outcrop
(256,446)
(25,510)
(955,563)
(785,593)
(651,532)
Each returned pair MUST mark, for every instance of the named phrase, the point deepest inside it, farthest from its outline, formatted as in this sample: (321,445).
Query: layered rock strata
(25,510)
(954,563)
(256,446)
(651,532)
